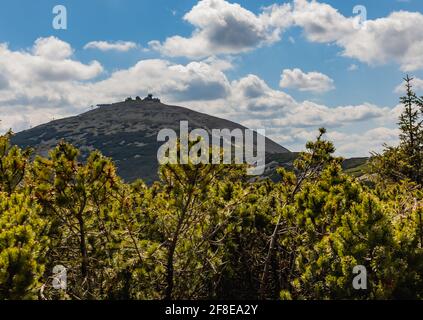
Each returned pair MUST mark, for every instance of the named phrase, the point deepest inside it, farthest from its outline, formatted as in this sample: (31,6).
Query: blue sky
(350,80)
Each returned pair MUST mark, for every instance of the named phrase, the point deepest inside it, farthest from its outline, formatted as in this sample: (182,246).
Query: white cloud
(353,67)
(308,114)
(52,48)
(49,61)
(194,81)
(291,123)
(24,117)
(321,22)
(396,38)
(417,86)
(251,94)
(201,86)
(4,83)
(373,140)
(121,46)
(35,88)
(40,82)
(313,81)
(220,64)
(225,28)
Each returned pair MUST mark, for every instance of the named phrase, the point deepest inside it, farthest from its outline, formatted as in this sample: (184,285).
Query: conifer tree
(13,163)
(406,160)
(308,167)
(22,242)
(77,200)
(22,247)
(411,126)
(192,216)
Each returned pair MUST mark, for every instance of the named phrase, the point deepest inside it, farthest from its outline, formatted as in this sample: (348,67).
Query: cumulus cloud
(280,109)
(198,85)
(312,81)
(23,117)
(373,140)
(4,83)
(253,95)
(35,87)
(194,81)
(220,64)
(395,38)
(52,48)
(45,77)
(221,27)
(417,86)
(49,60)
(225,28)
(291,123)
(353,67)
(310,114)
(321,22)
(121,46)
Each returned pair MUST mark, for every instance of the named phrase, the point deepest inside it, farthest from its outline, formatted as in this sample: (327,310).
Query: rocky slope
(126,132)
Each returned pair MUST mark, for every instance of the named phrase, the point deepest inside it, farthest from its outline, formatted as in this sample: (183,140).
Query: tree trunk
(83,248)
(170,258)
(265,276)
(169,270)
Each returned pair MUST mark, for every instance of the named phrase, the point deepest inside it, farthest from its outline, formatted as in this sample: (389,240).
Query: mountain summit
(126,132)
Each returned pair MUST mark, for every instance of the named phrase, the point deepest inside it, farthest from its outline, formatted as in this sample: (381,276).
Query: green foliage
(406,160)
(13,162)
(78,202)
(207,232)
(197,205)
(22,247)
(344,226)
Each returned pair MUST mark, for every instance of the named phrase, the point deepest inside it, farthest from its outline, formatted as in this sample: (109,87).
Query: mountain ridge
(126,132)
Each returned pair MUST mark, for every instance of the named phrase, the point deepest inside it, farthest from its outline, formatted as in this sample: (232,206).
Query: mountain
(127,133)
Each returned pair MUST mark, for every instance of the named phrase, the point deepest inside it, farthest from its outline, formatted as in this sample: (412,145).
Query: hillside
(126,132)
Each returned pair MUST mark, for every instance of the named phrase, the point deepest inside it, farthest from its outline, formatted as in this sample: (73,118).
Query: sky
(288,67)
